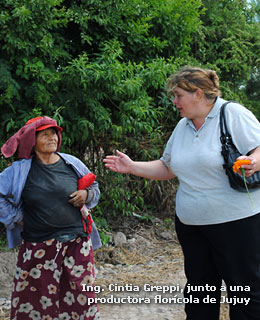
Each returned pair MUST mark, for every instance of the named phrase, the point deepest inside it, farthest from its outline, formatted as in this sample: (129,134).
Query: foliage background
(100,68)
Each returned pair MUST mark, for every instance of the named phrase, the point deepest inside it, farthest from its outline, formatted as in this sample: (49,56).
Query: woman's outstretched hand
(120,163)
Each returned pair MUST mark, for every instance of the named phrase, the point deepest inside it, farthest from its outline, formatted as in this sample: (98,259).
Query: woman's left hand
(78,198)
(249,168)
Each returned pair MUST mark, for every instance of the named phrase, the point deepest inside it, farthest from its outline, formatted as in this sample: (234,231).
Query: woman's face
(185,102)
(46,141)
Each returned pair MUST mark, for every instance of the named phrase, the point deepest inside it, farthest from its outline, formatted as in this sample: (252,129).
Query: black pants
(227,251)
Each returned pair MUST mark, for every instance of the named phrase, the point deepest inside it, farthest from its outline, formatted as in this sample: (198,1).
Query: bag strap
(225,136)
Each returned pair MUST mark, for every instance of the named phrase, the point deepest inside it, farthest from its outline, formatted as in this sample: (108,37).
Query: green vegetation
(100,68)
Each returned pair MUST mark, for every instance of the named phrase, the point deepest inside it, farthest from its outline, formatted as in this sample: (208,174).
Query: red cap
(49,126)
(45,126)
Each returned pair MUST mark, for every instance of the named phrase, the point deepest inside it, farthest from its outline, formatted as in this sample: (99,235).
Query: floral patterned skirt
(49,280)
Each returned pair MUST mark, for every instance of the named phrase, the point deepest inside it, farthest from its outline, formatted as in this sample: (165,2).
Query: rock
(119,239)
(108,265)
(167,235)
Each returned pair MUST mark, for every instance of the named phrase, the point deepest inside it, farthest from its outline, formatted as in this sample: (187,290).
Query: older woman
(217,227)
(55,260)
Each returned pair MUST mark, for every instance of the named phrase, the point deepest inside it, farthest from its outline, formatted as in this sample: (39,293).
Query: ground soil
(130,271)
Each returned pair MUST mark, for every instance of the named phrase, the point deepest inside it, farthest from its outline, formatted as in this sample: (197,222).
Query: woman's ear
(199,94)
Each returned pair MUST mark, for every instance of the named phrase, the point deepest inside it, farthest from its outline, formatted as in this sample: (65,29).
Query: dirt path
(135,282)
(146,288)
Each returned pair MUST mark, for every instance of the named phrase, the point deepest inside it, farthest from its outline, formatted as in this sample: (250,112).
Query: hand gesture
(120,163)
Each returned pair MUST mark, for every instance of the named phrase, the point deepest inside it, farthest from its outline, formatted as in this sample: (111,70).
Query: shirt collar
(215,110)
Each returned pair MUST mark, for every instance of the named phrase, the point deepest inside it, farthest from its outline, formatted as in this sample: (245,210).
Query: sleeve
(93,195)
(92,198)
(93,190)
(10,211)
(244,128)
(91,202)
(166,157)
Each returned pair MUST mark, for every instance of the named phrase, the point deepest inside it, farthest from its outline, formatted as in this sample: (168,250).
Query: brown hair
(193,78)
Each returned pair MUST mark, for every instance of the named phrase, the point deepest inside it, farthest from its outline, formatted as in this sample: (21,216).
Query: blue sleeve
(81,170)
(93,190)
(10,211)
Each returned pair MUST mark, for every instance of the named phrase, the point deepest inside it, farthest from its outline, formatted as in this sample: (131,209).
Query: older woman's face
(46,141)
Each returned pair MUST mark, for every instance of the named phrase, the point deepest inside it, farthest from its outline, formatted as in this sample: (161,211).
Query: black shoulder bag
(230,154)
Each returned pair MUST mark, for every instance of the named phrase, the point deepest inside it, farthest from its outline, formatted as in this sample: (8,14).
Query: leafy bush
(100,67)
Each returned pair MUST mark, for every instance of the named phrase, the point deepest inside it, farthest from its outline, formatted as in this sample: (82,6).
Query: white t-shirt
(204,195)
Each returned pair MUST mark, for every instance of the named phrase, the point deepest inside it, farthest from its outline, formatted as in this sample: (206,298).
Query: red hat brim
(49,126)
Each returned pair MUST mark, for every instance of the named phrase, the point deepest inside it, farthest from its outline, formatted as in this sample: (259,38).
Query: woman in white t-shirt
(218,228)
